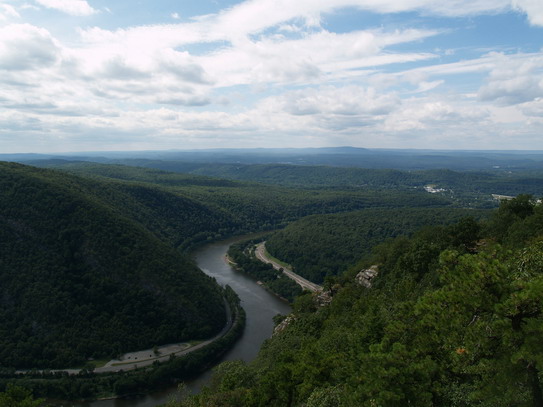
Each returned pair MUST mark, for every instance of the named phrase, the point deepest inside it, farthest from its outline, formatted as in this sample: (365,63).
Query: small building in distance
(502,197)
(433,189)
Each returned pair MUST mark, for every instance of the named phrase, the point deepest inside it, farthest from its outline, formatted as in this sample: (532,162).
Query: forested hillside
(80,279)
(454,318)
(473,187)
(83,254)
(240,207)
(325,245)
(89,269)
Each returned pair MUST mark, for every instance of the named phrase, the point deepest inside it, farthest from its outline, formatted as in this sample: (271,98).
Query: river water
(260,307)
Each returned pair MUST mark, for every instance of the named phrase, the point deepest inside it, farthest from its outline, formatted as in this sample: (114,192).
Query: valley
(84,244)
(262,203)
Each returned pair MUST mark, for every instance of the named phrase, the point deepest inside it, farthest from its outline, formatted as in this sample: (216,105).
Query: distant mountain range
(491,160)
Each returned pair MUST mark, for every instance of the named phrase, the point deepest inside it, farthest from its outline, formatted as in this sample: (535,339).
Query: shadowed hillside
(80,280)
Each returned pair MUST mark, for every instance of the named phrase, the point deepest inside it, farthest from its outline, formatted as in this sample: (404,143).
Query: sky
(97,75)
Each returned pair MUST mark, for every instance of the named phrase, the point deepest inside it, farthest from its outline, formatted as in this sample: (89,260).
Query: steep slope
(149,197)
(326,245)
(80,280)
(454,318)
(251,206)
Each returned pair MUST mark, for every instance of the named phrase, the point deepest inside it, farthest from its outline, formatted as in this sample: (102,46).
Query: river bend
(260,307)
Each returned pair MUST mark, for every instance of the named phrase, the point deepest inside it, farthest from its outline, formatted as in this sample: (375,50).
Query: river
(260,307)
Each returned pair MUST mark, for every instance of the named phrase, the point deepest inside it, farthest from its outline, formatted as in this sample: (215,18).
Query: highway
(260,253)
(135,360)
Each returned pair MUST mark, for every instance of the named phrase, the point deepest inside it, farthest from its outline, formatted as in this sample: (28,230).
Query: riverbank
(236,267)
(260,307)
(137,377)
(262,254)
(139,359)
(273,280)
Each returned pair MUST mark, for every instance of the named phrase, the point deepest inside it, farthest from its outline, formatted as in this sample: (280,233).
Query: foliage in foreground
(453,319)
(16,396)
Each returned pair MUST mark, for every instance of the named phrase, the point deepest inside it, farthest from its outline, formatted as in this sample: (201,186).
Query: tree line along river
(260,307)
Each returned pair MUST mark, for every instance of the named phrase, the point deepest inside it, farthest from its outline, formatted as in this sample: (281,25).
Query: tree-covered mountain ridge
(453,318)
(248,206)
(89,249)
(465,187)
(324,246)
(82,277)
(302,176)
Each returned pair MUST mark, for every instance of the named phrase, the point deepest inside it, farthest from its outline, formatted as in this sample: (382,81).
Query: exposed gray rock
(284,324)
(365,277)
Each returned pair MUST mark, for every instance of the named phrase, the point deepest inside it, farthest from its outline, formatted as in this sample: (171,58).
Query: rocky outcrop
(365,277)
(284,324)
(323,298)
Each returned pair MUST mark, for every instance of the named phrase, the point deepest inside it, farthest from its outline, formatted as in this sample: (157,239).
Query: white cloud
(182,66)
(532,8)
(434,114)
(512,90)
(424,86)
(314,57)
(254,16)
(154,82)
(514,80)
(508,78)
(25,47)
(533,108)
(272,59)
(7,12)
(72,7)
(329,100)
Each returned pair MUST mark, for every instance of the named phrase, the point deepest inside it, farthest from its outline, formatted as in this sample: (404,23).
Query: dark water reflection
(259,305)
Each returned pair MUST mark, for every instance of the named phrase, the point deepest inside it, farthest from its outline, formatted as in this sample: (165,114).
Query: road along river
(260,307)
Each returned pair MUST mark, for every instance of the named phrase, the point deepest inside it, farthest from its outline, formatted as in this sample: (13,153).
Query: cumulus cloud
(514,80)
(73,7)
(24,47)
(150,84)
(254,16)
(117,68)
(532,8)
(423,113)
(182,66)
(512,90)
(344,101)
(184,100)
(534,108)
(508,78)
(248,60)
(424,86)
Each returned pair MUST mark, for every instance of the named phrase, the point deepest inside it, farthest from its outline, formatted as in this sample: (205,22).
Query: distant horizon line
(218,149)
